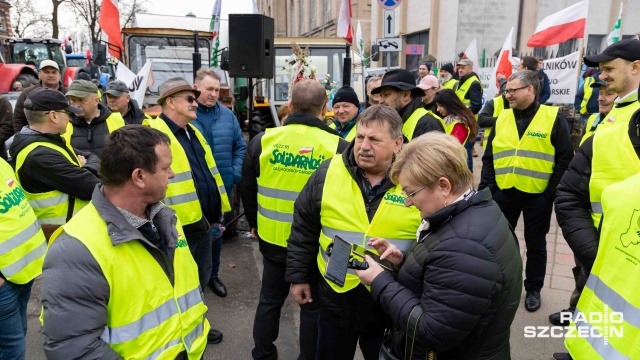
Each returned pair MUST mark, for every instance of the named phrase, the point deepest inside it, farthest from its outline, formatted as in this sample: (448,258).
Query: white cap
(45,63)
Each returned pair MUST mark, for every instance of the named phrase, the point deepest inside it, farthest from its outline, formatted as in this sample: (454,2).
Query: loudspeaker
(99,54)
(251,52)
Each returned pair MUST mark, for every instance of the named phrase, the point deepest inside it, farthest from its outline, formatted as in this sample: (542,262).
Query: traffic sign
(414,49)
(389,4)
(389,44)
(389,23)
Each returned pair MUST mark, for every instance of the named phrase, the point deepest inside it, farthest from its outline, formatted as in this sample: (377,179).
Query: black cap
(598,83)
(45,99)
(117,88)
(626,49)
(447,67)
(399,79)
(346,94)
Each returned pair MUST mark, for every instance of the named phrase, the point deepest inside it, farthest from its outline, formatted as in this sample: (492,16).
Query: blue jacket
(592,104)
(221,129)
(545,91)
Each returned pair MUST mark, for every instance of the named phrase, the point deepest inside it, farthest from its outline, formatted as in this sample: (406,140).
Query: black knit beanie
(346,94)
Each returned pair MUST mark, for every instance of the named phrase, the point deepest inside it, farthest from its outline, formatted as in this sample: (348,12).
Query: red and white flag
(505,58)
(472,54)
(344,21)
(110,24)
(568,23)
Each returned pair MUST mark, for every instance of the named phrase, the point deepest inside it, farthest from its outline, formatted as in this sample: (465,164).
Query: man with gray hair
(523,171)
(353,197)
(119,100)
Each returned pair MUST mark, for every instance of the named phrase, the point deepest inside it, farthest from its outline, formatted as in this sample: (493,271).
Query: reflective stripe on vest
(610,302)
(614,159)
(147,316)
(290,154)
(498,106)
(344,213)
(181,190)
(588,92)
(350,136)
(409,126)
(22,243)
(114,122)
(524,163)
(50,207)
(619,115)
(588,131)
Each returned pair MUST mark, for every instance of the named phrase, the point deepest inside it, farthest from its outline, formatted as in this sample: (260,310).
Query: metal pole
(250,103)
(346,68)
(197,57)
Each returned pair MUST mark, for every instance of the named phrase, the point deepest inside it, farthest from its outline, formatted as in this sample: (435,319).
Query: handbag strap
(412,324)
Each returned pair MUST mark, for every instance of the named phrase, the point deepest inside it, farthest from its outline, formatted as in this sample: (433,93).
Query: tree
(128,8)
(54,18)
(27,19)
(89,12)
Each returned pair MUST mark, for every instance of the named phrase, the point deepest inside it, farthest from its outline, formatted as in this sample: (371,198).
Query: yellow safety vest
(588,92)
(498,106)
(462,90)
(290,154)
(620,115)
(609,307)
(588,132)
(51,207)
(22,243)
(181,191)
(614,159)
(147,316)
(350,136)
(448,128)
(344,213)
(524,163)
(450,84)
(409,126)
(114,122)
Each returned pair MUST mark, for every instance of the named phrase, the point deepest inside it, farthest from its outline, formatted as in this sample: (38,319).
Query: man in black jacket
(49,75)
(119,100)
(89,129)
(308,105)
(524,179)
(397,90)
(348,313)
(45,169)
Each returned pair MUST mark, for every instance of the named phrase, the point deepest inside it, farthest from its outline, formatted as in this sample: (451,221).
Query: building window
(566,48)
(3,25)
(312,14)
(327,11)
(393,56)
(594,44)
(412,62)
(301,16)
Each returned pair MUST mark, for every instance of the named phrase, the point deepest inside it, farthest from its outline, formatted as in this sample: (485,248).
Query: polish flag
(344,21)
(505,58)
(9,182)
(110,24)
(566,24)
(305,150)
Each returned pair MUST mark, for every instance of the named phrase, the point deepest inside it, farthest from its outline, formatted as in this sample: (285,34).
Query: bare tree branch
(89,12)
(128,8)
(26,19)
(54,18)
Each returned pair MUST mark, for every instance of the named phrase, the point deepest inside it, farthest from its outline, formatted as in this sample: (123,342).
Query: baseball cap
(45,99)
(429,82)
(465,62)
(51,63)
(628,49)
(598,83)
(81,88)
(117,88)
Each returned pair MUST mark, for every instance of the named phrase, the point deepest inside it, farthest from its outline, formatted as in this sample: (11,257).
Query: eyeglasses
(61,111)
(410,196)
(513,91)
(189,98)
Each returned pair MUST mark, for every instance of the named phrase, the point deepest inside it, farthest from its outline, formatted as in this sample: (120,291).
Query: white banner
(137,83)
(562,73)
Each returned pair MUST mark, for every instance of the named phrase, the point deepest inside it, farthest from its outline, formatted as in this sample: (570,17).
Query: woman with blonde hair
(458,287)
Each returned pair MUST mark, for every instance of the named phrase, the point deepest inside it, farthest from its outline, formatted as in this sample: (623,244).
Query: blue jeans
(469,146)
(13,319)
(200,247)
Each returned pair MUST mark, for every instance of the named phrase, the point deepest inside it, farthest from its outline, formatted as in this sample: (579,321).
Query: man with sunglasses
(526,155)
(197,192)
(88,130)
(47,168)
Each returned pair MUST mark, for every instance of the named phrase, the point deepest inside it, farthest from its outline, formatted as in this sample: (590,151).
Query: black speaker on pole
(251,52)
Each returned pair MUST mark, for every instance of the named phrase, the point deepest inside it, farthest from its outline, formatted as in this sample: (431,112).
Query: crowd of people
(122,214)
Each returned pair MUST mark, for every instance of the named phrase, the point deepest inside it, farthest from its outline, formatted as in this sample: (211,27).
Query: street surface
(241,271)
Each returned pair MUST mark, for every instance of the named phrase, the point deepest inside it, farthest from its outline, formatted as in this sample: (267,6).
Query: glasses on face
(409,197)
(61,111)
(513,91)
(190,99)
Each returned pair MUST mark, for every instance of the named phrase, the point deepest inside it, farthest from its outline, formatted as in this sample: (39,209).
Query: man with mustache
(353,197)
(197,192)
(446,76)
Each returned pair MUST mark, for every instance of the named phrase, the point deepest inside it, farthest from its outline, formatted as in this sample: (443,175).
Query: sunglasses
(189,98)
(61,111)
